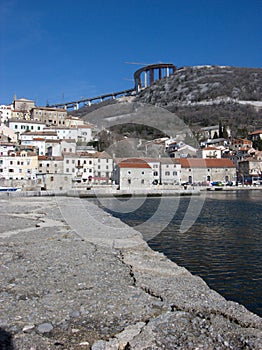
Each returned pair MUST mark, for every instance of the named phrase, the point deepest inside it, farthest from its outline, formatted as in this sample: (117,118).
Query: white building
(210,152)
(79,133)
(19,165)
(21,126)
(89,168)
(30,135)
(5,148)
(5,113)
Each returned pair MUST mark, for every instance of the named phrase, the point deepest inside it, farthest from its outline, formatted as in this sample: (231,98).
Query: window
(167,173)
(52,178)
(155,173)
(129,181)
(175,173)
(142,181)
(67,170)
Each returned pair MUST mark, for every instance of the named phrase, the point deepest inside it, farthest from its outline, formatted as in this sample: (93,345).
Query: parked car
(217,183)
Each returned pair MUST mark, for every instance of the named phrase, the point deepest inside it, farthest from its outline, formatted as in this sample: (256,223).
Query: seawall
(74,277)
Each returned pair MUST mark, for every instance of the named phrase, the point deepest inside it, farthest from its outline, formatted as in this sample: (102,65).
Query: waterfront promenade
(74,277)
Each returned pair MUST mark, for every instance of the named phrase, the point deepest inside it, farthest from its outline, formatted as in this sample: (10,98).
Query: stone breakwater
(73,277)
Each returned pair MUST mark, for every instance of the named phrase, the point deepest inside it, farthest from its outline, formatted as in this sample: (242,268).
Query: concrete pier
(74,277)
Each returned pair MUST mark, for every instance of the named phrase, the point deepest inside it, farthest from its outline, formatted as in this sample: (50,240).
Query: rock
(99,345)
(75,314)
(45,328)
(28,328)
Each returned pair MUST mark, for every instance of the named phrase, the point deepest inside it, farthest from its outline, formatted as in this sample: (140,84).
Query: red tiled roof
(134,163)
(256,132)
(211,149)
(205,163)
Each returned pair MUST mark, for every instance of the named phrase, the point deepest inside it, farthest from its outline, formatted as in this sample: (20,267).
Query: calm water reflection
(224,246)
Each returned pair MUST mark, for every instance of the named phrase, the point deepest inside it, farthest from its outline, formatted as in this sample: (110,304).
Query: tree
(220,130)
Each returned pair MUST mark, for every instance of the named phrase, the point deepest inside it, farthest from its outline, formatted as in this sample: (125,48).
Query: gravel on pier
(73,277)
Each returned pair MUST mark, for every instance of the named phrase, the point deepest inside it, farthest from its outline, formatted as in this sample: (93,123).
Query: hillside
(203,95)
(200,96)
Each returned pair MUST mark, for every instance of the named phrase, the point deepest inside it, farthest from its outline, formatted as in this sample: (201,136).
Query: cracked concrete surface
(73,277)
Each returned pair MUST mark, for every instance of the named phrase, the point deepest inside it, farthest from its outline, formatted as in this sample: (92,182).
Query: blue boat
(9,189)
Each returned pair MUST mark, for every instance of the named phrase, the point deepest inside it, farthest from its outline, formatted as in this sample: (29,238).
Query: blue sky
(58,51)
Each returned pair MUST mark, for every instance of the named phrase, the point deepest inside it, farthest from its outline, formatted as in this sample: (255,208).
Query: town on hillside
(44,148)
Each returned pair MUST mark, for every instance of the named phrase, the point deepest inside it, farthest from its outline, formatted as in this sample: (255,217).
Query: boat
(9,189)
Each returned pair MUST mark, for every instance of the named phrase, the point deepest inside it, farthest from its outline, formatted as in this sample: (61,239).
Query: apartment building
(50,165)
(79,133)
(20,165)
(86,167)
(49,116)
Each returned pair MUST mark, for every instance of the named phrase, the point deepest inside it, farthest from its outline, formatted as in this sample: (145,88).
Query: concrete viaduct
(143,78)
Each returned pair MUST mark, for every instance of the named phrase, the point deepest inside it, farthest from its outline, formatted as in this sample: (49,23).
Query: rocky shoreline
(74,277)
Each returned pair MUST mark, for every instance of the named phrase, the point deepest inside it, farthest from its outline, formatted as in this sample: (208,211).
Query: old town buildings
(44,148)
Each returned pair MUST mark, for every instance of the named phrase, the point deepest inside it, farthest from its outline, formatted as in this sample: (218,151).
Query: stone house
(50,165)
(256,135)
(203,171)
(49,116)
(133,174)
